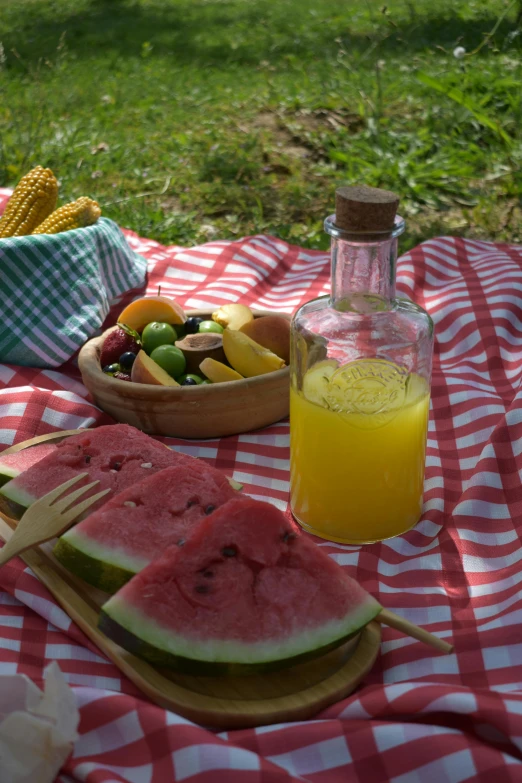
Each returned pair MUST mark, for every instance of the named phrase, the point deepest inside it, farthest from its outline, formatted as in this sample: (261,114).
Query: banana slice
(217,372)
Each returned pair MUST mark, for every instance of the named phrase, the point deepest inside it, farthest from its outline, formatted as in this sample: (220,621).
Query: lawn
(194,119)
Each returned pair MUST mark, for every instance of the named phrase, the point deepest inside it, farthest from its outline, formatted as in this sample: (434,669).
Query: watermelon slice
(117,455)
(11,465)
(134,527)
(247,592)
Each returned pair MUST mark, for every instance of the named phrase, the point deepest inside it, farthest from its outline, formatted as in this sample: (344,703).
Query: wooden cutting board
(292,694)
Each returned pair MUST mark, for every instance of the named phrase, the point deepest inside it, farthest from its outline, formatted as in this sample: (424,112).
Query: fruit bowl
(205,411)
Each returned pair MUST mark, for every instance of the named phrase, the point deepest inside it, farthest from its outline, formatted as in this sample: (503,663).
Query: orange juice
(356,454)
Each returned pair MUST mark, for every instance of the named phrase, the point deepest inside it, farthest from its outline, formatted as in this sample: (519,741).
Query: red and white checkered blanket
(419,716)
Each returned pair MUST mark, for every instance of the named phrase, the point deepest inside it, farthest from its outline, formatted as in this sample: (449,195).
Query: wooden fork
(49,517)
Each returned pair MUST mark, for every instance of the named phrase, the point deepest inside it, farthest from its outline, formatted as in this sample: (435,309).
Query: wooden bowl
(208,411)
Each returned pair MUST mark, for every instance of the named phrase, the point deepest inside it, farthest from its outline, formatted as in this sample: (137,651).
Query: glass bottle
(360,384)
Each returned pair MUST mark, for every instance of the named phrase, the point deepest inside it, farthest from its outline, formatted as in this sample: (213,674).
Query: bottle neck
(363,269)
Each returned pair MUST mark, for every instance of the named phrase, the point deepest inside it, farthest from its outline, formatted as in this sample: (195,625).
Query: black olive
(110,369)
(192,325)
(229,551)
(202,589)
(126,360)
(209,509)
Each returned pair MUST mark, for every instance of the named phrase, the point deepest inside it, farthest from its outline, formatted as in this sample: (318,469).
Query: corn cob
(33,199)
(79,213)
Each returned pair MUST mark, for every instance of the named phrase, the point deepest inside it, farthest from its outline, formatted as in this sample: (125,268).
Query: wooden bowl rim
(89,365)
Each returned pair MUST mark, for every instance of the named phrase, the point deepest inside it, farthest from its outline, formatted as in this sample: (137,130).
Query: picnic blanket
(419,716)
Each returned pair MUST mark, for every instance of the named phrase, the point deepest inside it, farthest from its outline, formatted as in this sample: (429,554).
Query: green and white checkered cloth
(55,290)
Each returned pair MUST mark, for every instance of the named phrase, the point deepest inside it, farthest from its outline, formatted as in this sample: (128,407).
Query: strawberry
(117,342)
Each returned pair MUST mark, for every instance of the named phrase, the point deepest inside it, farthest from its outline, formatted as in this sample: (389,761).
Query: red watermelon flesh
(247,590)
(116,455)
(138,524)
(12,465)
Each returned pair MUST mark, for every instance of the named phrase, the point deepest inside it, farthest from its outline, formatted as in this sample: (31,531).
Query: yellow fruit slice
(316,379)
(152,308)
(233,316)
(146,370)
(217,372)
(248,357)
(272,332)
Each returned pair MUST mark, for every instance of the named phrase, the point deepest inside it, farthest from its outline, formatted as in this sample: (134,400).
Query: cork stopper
(362,209)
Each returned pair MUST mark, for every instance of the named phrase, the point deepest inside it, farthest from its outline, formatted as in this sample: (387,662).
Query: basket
(56,290)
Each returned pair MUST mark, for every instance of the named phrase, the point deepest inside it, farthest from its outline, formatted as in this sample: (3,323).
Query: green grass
(242,116)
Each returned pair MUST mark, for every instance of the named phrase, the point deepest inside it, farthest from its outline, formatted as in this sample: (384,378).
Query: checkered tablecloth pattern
(419,716)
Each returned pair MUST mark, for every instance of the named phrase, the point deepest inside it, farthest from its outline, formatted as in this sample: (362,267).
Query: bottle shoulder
(410,309)
(320,317)
(400,332)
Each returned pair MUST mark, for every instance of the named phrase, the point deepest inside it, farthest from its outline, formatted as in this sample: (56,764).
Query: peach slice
(217,372)
(152,308)
(233,316)
(248,357)
(146,370)
(272,332)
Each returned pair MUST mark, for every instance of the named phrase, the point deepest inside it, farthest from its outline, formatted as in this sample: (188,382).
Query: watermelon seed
(191,503)
(209,509)
(287,536)
(129,503)
(146,465)
(181,542)
(229,551)
(87,458)
(117,466)
(208,574)
(202,589)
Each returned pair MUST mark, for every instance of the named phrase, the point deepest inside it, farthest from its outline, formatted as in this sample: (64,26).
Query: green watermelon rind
(122,624)
(7,472)
(17,494)
(162,659)
(97,567)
